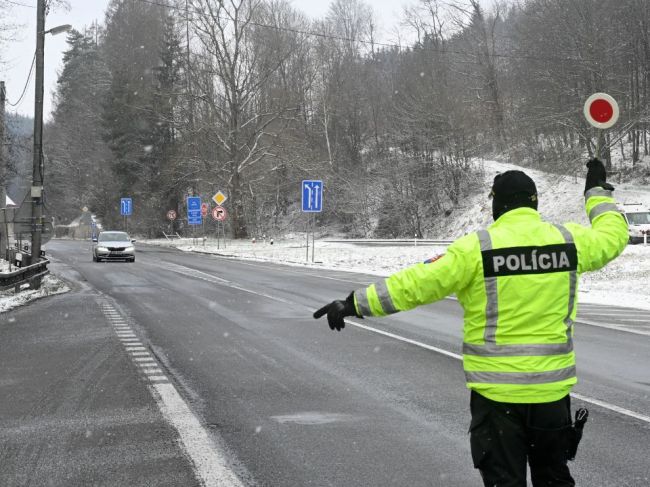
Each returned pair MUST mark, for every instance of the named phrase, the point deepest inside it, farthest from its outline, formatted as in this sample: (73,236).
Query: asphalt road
(287,402)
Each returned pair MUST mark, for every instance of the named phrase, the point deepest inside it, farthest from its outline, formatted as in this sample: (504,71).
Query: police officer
(517,282)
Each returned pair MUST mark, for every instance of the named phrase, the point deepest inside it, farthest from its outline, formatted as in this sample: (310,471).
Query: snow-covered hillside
(561,200)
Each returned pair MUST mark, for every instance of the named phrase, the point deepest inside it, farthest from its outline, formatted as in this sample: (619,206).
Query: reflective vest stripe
(492,305)
(384,298)
(362,302)
(535,349)
(600,209)
(573,283)
(598,191)
(525,378)
(385,301)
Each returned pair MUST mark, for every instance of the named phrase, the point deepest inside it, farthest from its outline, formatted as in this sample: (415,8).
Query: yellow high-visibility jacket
(517,282)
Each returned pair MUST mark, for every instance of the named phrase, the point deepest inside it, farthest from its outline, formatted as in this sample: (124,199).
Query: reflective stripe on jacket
(517,282)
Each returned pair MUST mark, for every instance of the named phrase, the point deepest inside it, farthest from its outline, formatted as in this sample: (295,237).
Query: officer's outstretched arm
(417,285)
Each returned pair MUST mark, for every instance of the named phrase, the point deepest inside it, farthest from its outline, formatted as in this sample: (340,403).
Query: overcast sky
(18,54)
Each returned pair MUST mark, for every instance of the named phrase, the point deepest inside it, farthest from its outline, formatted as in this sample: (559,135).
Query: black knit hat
(510,190)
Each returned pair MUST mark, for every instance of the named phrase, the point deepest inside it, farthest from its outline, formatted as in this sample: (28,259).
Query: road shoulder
(74,410)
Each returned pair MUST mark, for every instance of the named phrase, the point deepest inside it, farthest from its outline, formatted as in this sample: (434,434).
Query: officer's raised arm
(607,237)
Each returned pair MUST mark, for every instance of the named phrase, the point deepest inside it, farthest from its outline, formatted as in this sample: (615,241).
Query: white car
(638,221)
(112,245)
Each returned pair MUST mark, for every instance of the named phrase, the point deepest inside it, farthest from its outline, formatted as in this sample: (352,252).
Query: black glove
(596,175)
(336,311)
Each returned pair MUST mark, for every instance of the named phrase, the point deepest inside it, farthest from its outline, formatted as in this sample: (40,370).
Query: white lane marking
(217,280)
(144,359)
(210,462)
(129,349)
(612,407)
(614,314)
(365,283)
(591,400)
(406,340)
(618,327)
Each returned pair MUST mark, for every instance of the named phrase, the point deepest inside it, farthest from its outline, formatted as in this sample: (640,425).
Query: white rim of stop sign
(171,215)
(612,102)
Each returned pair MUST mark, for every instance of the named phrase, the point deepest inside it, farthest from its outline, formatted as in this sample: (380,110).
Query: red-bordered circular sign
(601,110)
(205,208)
(171,215)
(219,213)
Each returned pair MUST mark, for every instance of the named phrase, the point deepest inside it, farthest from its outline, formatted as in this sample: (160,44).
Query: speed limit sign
(219,213)
(171,215)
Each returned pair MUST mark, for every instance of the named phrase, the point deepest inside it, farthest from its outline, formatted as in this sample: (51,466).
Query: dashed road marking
(209,460)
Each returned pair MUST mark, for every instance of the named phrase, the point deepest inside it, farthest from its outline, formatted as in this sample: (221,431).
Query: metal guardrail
(171,236)
(397,242)
(31,274)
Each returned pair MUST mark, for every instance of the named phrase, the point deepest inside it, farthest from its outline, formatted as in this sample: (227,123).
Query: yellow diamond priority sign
(219,198)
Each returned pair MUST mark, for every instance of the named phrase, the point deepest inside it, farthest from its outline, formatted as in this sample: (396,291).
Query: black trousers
(506,436)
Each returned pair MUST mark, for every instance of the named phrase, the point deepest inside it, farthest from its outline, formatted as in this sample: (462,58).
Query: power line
(349,39)
(29,77)
(18,4)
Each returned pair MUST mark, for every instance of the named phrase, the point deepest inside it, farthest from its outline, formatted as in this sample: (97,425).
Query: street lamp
(37,170)
(59,29)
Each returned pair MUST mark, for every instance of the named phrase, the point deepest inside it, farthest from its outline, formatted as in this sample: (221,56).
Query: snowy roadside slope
(561,200)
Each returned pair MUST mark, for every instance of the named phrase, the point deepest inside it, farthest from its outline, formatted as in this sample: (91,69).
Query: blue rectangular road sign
(312,196)
(126,206)
(194,216)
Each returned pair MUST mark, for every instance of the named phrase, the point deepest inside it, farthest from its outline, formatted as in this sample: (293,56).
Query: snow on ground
(621,283)
(49,287)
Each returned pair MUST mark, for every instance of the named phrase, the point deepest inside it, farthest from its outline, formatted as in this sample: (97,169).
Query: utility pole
(3,168)
(37,172)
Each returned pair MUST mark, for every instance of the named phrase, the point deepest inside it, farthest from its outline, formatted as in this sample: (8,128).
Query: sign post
(601,111)
(194,213)
(126,210)
(171,216)
(219,215)
(205,208)
(312,202)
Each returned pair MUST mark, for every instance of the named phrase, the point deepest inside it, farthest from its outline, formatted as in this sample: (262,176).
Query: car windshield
(641,218)
(113,237)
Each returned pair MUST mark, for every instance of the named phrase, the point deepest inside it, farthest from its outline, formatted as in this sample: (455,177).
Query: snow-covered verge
(621,283)
(49,287)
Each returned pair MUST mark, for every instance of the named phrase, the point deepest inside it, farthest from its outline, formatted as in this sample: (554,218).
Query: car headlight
(102,249)
(129,249)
